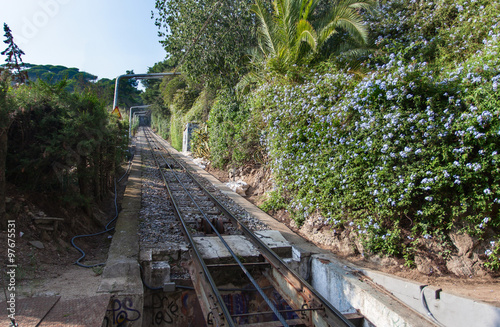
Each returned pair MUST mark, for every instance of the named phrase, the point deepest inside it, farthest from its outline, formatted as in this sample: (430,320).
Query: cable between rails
(242,267)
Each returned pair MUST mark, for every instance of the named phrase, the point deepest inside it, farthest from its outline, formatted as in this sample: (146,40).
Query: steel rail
(298,282)
(235,257)
(208,276)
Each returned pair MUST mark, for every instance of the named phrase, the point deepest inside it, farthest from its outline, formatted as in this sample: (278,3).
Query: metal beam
(130,117)
(137,76)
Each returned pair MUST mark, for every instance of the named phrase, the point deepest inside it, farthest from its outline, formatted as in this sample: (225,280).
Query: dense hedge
(233,130)
(63,142)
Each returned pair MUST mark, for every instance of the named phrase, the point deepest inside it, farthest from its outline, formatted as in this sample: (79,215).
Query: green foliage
(217,56)
(78,81)
(55,74)
(129,95)
(6,106)
(443,31)
(404,149)
(294,36)
(200,143)
(160,122)
(407,151)
(63,142)
(182,112)
(134,127)
(493,256)
(232,138)
(276,201)
(176,130)
(152,94)
(183,100)
(170,86)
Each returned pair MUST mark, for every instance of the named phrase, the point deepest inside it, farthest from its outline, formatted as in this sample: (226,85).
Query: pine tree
(13,53)
(6,116)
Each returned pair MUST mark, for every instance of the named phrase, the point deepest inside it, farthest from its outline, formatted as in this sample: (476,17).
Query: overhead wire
(198,35)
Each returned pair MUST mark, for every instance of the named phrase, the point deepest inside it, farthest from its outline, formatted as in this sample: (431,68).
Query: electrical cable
(426,307)
(106,228)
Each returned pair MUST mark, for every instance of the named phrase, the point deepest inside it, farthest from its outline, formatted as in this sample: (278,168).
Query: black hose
(106,228)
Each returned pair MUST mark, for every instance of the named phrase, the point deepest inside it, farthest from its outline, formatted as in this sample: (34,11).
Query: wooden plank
(41,219)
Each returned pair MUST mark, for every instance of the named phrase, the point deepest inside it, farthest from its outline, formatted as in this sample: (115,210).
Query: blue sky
(101,37)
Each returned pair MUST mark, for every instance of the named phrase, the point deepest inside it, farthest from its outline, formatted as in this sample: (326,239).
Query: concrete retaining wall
(448,309)
(346,291)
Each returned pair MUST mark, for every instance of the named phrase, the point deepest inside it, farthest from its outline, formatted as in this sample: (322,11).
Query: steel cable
(235,257)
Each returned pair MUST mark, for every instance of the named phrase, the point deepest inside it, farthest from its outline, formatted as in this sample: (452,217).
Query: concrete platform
(54,312)
(276,242)
(121,276)
(213,250)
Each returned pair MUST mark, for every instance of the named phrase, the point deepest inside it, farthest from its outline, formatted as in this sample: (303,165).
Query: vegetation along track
(202,215)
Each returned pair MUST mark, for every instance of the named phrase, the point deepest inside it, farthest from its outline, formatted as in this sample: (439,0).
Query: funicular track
(201,214)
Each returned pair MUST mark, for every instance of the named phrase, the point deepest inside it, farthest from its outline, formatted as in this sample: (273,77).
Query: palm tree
(292,36)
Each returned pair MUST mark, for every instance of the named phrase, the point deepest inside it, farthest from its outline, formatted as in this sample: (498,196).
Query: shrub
(233,132)
(402,148)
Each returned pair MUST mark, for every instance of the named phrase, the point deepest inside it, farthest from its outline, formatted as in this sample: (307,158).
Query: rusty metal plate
(29,311)
(84,312)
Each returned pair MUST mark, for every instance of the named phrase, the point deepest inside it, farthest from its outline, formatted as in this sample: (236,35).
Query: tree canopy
(223,31)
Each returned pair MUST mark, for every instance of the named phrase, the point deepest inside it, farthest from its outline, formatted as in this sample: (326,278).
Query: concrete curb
(447,308)
(121,276)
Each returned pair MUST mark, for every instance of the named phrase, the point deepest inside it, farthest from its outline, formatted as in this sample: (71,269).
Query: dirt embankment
(45,258)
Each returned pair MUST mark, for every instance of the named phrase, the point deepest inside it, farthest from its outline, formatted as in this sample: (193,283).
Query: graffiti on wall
(121,312)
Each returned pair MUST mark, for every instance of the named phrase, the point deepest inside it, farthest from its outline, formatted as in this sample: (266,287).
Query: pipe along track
(269,277)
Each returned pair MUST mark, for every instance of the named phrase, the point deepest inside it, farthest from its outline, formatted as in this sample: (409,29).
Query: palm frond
(265,29)
(306,33)
(290,36)
(346,18)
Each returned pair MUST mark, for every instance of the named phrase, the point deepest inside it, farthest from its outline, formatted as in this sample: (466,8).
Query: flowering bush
(410,149)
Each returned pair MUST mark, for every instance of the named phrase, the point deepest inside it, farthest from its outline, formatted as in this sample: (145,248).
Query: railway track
(269,292)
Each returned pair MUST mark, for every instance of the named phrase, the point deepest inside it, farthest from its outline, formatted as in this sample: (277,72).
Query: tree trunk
(96,180)
(3,184)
